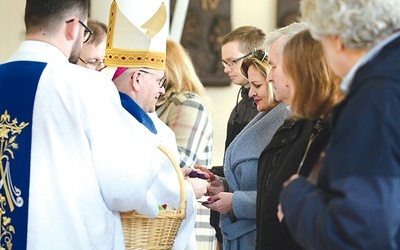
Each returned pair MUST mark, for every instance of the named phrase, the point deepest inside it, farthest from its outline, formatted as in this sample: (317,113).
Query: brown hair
(249,38)
(99,31)
(316,88)
(263,67)
(49,15)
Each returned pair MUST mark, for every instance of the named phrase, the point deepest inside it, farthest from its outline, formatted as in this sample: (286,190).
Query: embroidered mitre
(137,34)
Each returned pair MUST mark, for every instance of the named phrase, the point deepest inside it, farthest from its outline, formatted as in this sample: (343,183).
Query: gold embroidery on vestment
(9,130)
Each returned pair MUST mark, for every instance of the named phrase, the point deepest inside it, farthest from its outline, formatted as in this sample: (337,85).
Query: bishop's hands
(220,200)
(216,184)
(198,179)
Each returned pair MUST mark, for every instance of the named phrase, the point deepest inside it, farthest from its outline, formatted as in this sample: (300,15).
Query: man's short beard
(73,60)
(75,51)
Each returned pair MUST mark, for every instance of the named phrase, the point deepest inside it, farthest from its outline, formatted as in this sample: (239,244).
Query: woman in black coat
(311,89)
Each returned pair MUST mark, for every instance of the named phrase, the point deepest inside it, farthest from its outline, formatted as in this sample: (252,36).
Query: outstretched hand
(198,179)
(208,175)
(195,172)
(216,184)
(199,186)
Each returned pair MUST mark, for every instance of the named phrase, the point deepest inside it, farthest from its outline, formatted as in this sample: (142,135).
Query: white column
(178,21)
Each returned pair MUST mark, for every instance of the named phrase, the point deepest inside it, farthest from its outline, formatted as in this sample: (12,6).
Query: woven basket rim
(172,217)
(182,194)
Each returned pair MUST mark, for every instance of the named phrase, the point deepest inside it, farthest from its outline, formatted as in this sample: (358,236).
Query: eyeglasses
(234,61)
(87,33)
(161,81)
(259,54)
(95,63)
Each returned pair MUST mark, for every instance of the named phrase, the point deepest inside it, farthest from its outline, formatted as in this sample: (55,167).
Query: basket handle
(182,202)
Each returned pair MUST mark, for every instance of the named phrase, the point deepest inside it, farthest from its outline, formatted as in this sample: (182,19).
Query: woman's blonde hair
(263,67)
(316,87)
(180,73)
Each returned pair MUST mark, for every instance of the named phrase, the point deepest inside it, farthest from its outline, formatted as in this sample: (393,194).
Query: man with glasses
(140,89)
(236,46)
(94,50)
(142,85)
(77,46)
(87,33)
(71,157)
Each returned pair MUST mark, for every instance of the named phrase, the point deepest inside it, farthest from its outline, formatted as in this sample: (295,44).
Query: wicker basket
(141,232)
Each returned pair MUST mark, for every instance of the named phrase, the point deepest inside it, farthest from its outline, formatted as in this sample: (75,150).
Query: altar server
(71,157)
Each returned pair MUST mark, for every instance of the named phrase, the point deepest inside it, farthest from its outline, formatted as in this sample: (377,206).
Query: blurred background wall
(259,13)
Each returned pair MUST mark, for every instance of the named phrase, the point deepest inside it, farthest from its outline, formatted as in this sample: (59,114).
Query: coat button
(283,140)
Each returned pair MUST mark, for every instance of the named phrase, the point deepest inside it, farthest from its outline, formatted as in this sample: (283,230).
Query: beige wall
(12,28)
(260,13)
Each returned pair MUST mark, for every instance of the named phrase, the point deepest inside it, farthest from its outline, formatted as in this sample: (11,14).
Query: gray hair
(283,34)
(361,23)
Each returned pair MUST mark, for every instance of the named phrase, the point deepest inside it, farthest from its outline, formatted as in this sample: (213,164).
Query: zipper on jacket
(319,126)
(273,166)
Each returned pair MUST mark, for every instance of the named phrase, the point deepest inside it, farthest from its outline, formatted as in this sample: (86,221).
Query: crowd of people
(312,146)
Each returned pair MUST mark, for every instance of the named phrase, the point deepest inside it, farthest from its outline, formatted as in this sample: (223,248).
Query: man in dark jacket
(355,204)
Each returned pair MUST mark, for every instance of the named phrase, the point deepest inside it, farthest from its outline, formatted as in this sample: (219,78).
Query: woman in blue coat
(235,195)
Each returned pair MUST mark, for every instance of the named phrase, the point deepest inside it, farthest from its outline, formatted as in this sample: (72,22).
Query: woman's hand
(280,213)
(216,186)
(222,203)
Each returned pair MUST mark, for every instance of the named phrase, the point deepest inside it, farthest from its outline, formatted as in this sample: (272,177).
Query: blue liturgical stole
(136,111)
(18,84)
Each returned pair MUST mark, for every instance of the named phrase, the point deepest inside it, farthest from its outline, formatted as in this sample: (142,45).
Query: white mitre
(137,34)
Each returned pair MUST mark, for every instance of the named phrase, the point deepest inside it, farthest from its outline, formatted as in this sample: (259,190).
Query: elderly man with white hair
(355,203)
